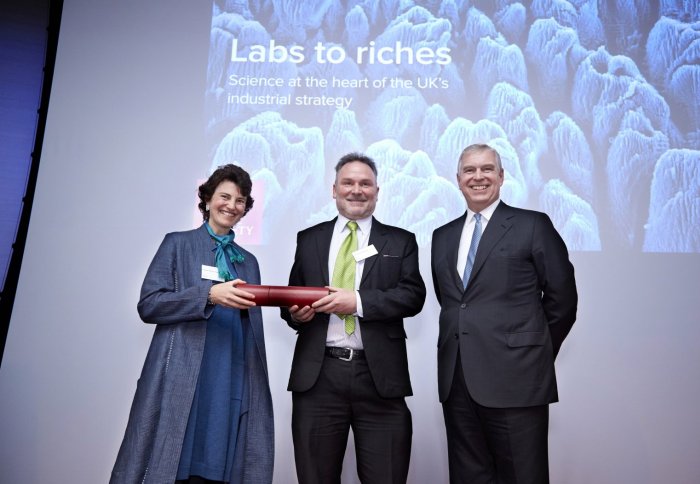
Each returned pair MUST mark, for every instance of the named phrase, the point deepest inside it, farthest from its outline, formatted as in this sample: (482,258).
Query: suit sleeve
(163,299)
(433,259)
(556,278)
(296,278)
(401,298)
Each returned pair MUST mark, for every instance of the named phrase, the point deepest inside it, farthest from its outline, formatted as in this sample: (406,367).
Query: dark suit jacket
(391,289)
(519,306)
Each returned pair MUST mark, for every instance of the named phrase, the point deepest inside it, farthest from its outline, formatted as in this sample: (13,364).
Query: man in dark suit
(505,311)
(350,368)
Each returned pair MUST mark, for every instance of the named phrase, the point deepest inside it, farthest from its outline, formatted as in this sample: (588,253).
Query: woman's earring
(207,208)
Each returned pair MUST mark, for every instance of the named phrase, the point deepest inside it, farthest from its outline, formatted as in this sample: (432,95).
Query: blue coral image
(593,106)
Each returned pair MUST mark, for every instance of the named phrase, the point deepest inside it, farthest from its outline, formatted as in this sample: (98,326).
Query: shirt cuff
(358,303)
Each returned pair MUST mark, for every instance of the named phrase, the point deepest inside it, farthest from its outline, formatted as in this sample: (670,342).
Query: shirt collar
(363,224)
(486,213)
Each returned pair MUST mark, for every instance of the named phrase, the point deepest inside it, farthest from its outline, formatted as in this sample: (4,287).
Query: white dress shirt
(336,326)
(468,230)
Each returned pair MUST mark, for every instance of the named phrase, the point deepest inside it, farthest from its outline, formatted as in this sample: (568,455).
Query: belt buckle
(349,358)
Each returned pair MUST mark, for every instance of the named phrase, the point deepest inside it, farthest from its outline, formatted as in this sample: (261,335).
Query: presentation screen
(592,105)
(587,105)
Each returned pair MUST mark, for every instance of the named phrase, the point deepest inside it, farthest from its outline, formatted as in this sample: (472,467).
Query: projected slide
(592,105)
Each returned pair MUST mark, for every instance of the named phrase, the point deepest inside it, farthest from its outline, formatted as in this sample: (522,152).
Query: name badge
(211,273)
(363,254)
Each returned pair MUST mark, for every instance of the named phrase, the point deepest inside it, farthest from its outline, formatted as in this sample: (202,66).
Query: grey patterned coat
(173,297)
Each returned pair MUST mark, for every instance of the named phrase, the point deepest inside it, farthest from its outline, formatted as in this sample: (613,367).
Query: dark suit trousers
(345,397)
(494,445)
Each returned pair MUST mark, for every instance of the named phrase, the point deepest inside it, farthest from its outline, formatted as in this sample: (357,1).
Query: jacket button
(463,306)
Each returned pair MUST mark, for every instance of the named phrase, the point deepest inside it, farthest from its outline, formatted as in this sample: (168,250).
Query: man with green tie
(350,369)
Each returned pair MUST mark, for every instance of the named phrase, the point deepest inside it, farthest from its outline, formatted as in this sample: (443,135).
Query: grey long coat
(173,297)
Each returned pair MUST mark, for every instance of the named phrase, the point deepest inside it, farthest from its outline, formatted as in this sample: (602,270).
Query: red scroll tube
(284,296)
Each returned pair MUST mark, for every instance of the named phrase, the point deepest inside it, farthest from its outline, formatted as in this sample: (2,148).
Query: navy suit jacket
(391,289)
(519,306)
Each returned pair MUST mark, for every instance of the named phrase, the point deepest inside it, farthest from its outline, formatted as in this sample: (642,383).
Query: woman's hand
(227,294)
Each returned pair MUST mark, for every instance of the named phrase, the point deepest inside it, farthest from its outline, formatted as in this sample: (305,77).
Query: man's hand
(302,315)
(339,301)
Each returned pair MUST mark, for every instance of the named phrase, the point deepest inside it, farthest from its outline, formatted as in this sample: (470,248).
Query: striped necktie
(476,237)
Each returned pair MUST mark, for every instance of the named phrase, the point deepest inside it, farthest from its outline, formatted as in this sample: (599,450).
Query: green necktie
(344,271)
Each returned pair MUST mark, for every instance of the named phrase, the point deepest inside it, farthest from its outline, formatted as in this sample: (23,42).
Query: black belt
(345,354)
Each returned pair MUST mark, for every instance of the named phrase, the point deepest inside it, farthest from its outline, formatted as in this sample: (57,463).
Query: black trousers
(345,397)
(494,445)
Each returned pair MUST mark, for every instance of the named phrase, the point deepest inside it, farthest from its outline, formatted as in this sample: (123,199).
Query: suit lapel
(497,227)
(323,247)
(378,236)
(451,246)
(204,246)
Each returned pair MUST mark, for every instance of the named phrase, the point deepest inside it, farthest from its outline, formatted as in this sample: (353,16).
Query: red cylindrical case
(284,296)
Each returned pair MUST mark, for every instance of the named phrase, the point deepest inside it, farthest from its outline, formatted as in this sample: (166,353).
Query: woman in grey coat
(202,411)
